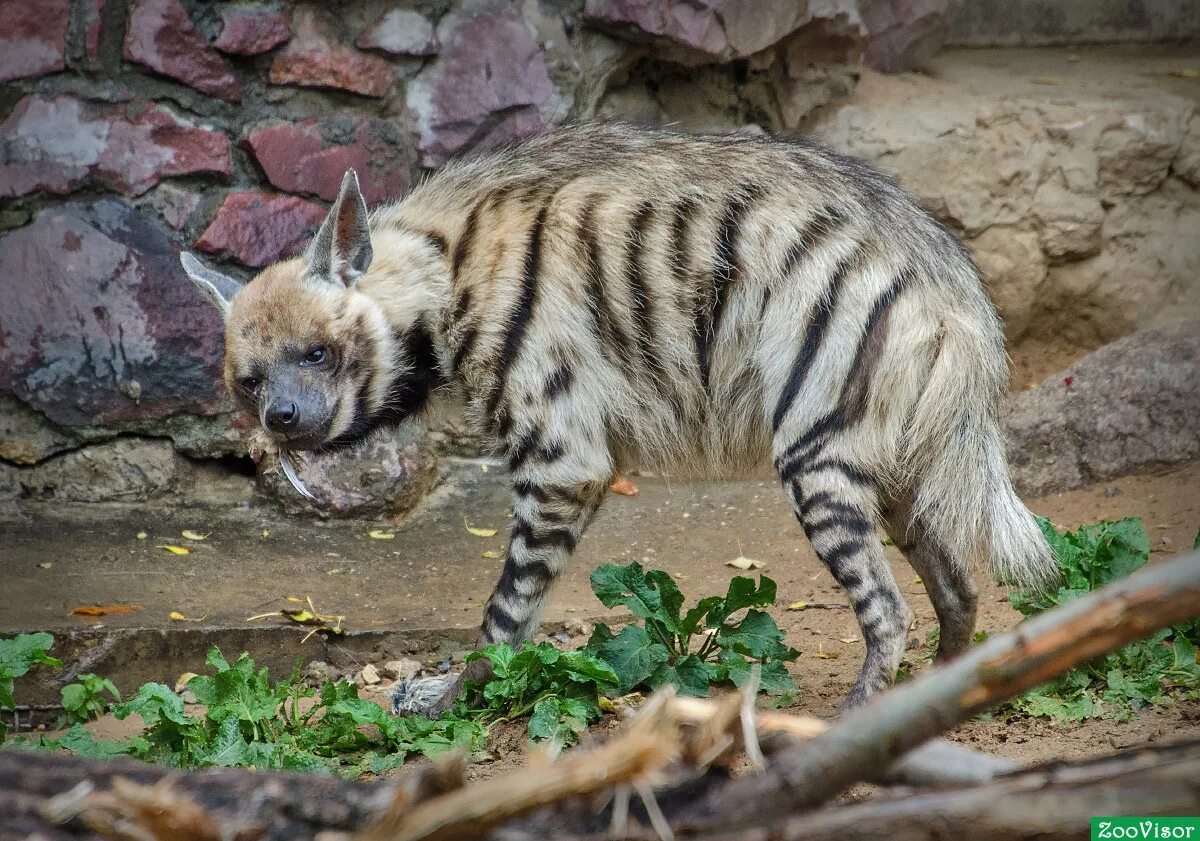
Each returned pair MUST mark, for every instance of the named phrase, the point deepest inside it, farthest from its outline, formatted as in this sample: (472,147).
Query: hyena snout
(282,416)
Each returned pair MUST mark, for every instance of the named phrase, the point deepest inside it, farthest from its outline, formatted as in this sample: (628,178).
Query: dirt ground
(433,576)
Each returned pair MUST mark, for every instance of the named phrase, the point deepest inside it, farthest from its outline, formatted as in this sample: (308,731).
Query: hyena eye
(315,356)
(249,384)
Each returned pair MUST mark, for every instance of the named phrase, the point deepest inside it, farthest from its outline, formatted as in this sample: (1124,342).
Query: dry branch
(873,737)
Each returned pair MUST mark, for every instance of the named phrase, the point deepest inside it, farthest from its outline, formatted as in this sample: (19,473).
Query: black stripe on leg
(523,312)
(852,473)
(814,336)
(852,522)
(514,573)
(463,352)
(815,501)
(497,618)
(726,267)
(548,538)
(641,308)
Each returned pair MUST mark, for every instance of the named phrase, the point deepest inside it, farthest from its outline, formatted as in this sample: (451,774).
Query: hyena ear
(217,287)
(341,250)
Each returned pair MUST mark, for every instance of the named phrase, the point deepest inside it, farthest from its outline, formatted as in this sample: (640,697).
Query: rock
(257,228)
(252,29)
(1128,407)
(488,84)
(1187,161)
(124,470)
(1014,269)
(387,474)
(904,34)
(400,32)
(319,672)
(1086,177)
(161,36)
(1135,149)
(33,37)
(59,144)
(25,437)
(100,324)
(401,669)
(175,204)
(312,156)
(716,29)
(315,58)
(1070,222)
(369,675)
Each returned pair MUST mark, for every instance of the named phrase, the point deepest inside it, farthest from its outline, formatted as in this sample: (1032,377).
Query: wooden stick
(1045,646)
(649,743)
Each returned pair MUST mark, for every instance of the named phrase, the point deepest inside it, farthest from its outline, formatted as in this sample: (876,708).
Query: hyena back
(608,296)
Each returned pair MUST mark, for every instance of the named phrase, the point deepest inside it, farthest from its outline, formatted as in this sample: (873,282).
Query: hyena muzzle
(604,296)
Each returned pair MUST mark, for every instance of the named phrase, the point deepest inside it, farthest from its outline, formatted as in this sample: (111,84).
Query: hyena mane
(605,296)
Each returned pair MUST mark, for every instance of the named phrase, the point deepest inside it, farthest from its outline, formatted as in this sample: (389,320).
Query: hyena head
(319,361)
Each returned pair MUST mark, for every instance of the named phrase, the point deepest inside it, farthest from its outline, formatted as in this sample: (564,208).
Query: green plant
(1150,671)
(692,649)
(559,690)
(85,700)
(17,656)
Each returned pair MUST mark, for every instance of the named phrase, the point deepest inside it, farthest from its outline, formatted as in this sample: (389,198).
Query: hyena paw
(427,696)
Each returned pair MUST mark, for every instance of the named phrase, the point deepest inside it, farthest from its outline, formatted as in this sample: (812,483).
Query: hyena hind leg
(946,578)
(837,505)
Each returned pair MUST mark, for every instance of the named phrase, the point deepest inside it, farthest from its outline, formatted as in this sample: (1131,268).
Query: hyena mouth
(287,462)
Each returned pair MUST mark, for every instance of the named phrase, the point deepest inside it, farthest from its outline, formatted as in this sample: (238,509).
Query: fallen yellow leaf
(479,532)
(266,532)
(483,468)
(849,640)
(194,535)
(294,599)
(917,580)
(742,562)
(380,534)
(174,550)
(1186,73)
(797,605)
(181,682)
(46,565)
(176,616)
(141,535)
(103,609)
(822,654)
(624,487)
(490,553)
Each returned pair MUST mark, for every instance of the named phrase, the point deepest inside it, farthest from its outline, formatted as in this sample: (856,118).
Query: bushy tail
(955,451)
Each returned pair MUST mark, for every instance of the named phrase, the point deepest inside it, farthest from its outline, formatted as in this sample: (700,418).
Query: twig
(649,743)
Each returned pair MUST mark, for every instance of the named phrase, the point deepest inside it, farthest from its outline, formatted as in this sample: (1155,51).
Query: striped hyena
(606,296)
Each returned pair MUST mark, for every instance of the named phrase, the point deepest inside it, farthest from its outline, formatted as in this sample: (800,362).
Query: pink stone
(400,32)
(33,37)
(252,29)
(905,34)
(258,228)
(312,156)
(93,9)
(59,144)
(101,325)
(490,64)
(161,36)
(722,29)
(314,58)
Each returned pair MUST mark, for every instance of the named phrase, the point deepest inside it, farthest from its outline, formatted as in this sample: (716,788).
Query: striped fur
(606,296)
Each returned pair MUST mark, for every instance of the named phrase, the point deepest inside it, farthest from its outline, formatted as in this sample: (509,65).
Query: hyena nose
(282,416)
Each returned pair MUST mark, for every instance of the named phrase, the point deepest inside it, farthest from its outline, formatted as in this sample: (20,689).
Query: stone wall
(990,23)
(132,128)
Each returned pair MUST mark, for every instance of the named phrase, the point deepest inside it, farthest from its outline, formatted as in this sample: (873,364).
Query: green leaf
(691,620)
(629,586)
(80,742)
(74,696)
(756,636)
(631,654)
(691,676)
(18,655)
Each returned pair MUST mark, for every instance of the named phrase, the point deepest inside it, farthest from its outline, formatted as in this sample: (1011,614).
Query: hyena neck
(408,286)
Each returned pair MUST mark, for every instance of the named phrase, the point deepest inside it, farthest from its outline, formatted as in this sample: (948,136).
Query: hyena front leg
(549,519)
(947,579)
(556,492)
(837,504)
